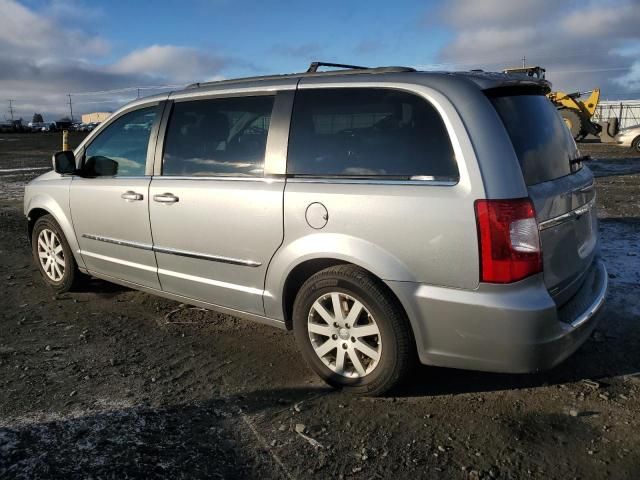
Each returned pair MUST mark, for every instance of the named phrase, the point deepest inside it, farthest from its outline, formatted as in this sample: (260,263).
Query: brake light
(508,239)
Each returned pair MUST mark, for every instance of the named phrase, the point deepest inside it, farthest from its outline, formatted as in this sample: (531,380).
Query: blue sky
(49,48)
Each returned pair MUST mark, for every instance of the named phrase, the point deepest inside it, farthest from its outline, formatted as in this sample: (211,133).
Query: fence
(626,111)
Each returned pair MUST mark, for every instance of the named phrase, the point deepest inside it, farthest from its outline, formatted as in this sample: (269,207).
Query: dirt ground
(113,383)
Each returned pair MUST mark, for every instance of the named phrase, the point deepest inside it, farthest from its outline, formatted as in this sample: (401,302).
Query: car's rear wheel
(52,254)
(635,145)
(352,331)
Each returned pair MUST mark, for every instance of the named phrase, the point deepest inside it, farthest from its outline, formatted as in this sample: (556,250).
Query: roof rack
(311,71)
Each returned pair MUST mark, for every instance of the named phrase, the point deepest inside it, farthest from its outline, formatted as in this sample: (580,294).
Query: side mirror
(64,162)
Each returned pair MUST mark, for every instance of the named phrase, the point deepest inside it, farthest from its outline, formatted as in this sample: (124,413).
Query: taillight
(509,240)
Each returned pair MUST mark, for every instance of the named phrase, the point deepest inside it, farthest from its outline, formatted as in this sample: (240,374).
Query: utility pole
(524,61)
(138,93)
(70,106)
(11,109)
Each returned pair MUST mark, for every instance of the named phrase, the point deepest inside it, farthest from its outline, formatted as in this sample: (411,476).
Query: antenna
(11,109)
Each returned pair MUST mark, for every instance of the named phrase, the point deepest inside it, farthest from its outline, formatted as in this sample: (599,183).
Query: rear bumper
(514,328)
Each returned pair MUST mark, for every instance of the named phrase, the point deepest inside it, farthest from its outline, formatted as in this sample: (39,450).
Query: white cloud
(582,44)
(42,59)
(22,31)
(169,62)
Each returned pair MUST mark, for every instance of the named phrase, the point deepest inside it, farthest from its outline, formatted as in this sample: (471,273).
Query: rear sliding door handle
(130,196)
(165,198)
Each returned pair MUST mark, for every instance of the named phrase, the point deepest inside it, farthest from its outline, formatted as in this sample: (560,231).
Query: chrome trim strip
(368,181)
(208,281)
(599,300)
(204,256)
(174,251)
(117,260)
(117,241)
(219,178)
(581,210)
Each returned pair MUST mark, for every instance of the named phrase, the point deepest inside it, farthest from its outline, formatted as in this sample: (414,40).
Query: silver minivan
(385,215)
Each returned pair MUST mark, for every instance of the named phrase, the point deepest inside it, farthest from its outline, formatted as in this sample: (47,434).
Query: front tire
(635,145)
(352,331)
(52,255)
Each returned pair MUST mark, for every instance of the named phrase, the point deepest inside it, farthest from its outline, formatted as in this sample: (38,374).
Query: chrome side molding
(205,256)
(173,251)
(117,241)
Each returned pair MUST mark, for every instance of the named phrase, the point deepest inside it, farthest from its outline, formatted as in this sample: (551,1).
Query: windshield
(542,141)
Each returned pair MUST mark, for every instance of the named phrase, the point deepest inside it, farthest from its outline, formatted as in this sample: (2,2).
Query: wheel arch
(41,205)
(297,261)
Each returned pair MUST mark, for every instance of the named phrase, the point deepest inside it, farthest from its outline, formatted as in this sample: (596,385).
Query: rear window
(368,132)
(542,141)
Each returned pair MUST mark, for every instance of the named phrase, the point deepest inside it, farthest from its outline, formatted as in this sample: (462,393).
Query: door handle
(165,198)
(131,196)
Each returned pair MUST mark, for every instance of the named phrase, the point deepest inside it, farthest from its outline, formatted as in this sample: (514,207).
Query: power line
(130,89)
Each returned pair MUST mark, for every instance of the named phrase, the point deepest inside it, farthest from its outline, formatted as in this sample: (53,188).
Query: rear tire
(53,256)
(368,347)
(635,145)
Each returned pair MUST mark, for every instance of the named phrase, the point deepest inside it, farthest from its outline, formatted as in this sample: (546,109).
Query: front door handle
(130,196)
(165,198)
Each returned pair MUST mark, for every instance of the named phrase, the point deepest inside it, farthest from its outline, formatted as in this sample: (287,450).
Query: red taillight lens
(509,240)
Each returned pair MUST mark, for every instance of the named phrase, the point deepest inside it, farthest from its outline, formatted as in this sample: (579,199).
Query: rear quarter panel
(401,232)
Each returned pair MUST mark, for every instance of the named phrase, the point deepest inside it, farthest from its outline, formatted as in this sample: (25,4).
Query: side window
(219,137)
(121,148)
(367,132)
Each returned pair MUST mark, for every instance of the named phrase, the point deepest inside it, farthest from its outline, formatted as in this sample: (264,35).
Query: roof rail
(311,71)
(313,67)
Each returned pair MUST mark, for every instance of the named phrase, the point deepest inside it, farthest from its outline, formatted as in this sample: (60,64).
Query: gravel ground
(113,383)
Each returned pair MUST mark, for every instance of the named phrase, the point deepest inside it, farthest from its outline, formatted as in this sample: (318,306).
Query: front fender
(328,246)
(57,205)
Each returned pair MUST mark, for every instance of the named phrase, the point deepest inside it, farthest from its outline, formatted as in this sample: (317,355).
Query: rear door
(561,188)
(216,217)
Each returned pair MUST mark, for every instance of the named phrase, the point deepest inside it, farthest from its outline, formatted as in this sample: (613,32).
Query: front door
(110,200)
(216,220)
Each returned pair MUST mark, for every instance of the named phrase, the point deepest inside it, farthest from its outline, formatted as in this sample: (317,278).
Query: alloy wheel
(344,335)
(51,254)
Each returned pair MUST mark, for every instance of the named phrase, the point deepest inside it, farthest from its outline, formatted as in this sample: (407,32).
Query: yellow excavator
(576,113)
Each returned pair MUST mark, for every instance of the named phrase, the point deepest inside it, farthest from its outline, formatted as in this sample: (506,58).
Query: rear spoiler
(493,82)
(519,88)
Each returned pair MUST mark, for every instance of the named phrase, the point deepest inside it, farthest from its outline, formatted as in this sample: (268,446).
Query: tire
(573,122)
(322,343)
(635,145)
(48,242)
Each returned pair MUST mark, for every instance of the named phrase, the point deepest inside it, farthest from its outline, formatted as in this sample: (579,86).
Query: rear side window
(363,132)
(219,137)
(542,141)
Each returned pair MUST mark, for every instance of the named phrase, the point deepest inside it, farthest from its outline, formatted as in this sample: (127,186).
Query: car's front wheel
(52,254)
(352,332)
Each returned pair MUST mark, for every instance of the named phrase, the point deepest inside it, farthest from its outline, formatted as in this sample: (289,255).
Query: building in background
(95,117)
